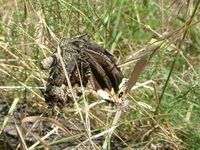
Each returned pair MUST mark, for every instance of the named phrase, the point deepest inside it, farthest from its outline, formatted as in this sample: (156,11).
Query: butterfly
(81,55)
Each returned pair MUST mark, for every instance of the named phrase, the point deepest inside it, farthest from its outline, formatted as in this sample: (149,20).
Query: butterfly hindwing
(106,62)
(99,76)
(105,74)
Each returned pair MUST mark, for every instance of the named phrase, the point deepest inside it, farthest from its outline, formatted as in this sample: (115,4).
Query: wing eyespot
(120,94)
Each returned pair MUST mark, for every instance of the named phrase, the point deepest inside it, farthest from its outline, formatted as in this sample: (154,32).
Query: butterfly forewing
(106,62)
(99,77)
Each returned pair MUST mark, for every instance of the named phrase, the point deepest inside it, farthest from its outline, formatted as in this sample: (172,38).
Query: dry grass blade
(12,108)
(99,135)
(31,31)
(37,118)
(37,137)
(111,130)
(87,118)
(58,124)
(140,65)
(43,138)
(69,84)
(23,143)
(25,86)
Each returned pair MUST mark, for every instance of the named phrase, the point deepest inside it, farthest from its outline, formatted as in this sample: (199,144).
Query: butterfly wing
(99,76)
(104,70)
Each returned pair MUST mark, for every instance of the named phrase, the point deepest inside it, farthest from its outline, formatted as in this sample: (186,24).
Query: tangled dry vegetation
(164,104)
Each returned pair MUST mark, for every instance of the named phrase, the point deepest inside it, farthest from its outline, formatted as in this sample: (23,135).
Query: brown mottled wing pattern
(81,56)
(57,91)
(105,73)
